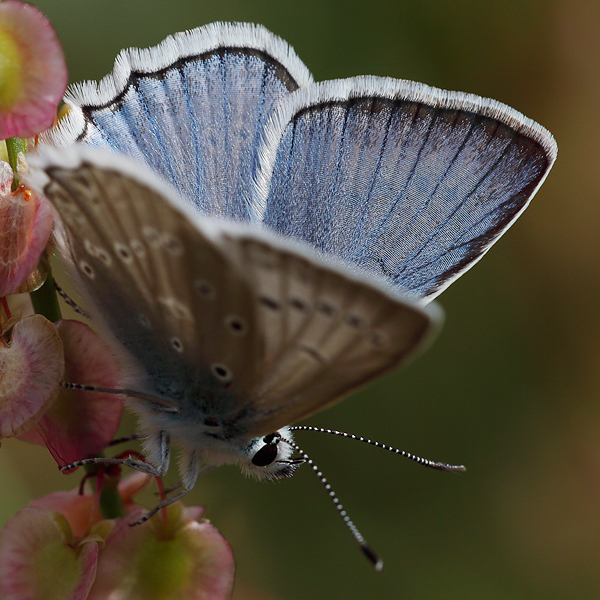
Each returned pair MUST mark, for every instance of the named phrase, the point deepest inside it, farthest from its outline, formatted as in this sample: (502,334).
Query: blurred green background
(511,388)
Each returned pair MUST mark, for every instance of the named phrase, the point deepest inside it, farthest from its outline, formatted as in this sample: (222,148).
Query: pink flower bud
(183,558)
(31,368)
(79,424)
(33,73)
(40,559)
(26,221)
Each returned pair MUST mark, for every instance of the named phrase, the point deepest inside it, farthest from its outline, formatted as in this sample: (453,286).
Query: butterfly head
(270,456)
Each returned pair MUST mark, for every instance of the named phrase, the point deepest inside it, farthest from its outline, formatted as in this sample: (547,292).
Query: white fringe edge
(169,51)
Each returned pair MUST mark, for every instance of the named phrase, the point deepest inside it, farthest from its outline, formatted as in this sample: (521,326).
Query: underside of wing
(406,181)
(156,281)
(191,108)
(242,330)
(326,330)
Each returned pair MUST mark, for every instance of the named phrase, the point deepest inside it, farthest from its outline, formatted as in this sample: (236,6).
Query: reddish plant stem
(5,307)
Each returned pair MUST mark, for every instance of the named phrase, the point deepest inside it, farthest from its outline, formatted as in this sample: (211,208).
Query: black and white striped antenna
(356,534)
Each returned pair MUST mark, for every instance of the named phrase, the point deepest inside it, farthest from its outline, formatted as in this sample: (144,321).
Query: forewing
(156,281)
(327,330)
(406,181)
(191,108)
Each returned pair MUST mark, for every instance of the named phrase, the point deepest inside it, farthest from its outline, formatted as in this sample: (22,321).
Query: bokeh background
(511,387)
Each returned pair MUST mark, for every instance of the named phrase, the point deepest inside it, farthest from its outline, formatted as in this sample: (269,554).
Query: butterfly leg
(138,465)
(158,448)
(174,487)
(160,454)
(189,477)
(124,440)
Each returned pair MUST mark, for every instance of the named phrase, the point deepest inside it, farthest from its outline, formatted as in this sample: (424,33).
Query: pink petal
(80,423)
(35,74)
(76,508)
(213,564)
(21,305)
(26,221)
(88,559)
(194,513)
(133,485)
(190,560)
(31,368)
(39,559)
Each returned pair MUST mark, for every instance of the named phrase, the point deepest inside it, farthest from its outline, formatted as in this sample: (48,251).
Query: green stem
(45,300)
(111,504)
(14,147)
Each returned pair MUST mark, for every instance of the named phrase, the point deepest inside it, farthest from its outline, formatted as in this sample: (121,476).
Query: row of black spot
(325,308)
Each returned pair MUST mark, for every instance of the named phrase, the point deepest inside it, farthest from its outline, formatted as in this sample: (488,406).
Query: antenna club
(360,540)
(372,556)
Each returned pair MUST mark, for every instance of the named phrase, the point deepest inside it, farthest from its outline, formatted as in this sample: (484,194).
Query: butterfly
(256,245)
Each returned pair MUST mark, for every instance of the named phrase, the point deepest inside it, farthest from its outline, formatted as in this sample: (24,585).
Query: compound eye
(265,456)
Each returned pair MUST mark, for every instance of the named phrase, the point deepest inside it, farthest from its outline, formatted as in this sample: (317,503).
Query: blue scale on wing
(413,192)
(196,123)
(306,177)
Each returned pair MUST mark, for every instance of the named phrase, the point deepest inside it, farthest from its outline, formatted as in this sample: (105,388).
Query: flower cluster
(62,546)
(173,555)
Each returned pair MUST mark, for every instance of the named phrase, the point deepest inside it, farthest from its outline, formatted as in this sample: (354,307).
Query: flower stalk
(110,502)
(14,147)
(45,300)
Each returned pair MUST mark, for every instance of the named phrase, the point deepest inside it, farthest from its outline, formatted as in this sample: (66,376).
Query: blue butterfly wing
(400,179)
(192,109)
